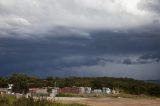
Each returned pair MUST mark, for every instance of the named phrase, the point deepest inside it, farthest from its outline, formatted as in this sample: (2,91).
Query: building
(88,89)
(106,90)
(6,90)
(10,86)
(3,91)
(54,92)
(85,90)
(73,90)
(97,91)
(38,91)
(81,90)
(115,91)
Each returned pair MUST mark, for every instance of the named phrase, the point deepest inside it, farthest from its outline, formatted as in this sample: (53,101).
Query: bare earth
(110,101)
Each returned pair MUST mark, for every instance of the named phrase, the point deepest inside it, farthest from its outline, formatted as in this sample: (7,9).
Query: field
(112,101)
(79,101)
(123,102)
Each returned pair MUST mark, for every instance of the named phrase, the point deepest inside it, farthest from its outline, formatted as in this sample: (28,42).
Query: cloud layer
(36,18)
(117,38)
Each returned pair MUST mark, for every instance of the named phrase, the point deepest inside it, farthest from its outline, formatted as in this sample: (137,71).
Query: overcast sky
(114,38)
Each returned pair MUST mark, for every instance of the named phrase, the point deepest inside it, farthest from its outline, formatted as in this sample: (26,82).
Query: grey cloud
(137,61)
(87,37)
(150,5)
(150,57)
(80,16)
(127,61)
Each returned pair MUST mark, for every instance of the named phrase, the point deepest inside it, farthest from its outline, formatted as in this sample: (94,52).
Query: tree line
(23,82)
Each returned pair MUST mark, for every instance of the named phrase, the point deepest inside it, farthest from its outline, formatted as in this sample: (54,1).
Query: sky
(86,38)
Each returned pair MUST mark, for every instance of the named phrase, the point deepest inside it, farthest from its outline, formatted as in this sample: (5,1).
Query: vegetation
(12,101)
(126,85)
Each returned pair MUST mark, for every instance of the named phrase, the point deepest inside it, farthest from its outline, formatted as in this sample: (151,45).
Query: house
(106,90)
(115,91)
(88,89)
(3,91)
(81,90)
(38,92)
(97,91)
(85,90)
(54,92)
(6,90)
(73,90)
(10,86)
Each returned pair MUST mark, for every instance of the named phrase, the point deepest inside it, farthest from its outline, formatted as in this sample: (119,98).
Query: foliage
(23,82)
(6,100)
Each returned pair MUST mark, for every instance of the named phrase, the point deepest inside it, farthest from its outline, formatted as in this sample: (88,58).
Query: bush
(6,100)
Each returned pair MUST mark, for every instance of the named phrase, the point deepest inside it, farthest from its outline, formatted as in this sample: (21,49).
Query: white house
(88,89)
(54,92)
(38,91)
(106,90)
(97,91)
(85,90)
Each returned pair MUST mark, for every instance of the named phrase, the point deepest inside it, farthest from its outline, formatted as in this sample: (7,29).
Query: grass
(12,101)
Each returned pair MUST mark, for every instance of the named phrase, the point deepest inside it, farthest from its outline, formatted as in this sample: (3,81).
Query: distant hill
(153,81)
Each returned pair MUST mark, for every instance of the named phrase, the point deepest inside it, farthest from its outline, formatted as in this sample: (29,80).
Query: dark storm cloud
(153,57)
(57,56)
(58,53)
(127,61)
(131,41)
(143,59)
(87,37)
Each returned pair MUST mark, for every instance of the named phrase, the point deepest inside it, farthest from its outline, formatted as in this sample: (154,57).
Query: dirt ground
(111,101)
(123,102)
